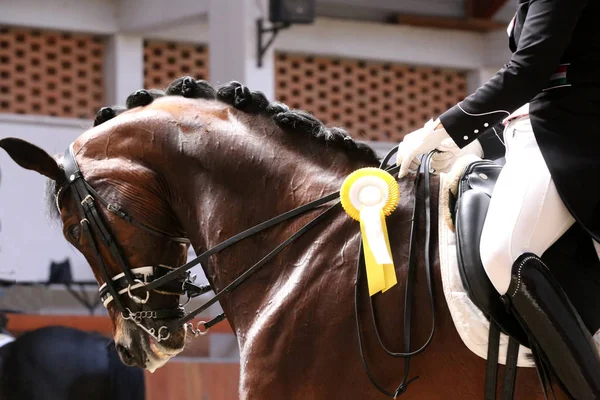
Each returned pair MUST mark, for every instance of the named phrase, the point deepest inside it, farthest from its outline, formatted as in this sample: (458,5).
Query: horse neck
(241,178)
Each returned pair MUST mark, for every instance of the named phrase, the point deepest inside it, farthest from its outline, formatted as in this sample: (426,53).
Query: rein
(410,282)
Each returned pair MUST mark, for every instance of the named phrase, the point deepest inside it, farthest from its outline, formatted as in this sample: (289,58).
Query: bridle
(129,280)
(161,278)
(178,281)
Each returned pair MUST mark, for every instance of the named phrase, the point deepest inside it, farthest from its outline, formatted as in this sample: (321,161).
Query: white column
(123,68)
(478,77)
(232,45)
(495,53)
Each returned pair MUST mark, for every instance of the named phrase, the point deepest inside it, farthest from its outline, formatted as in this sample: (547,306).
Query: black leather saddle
(572,259)
(473,199)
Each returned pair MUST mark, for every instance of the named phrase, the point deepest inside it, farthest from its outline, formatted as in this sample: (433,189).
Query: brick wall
(166,61)
(50,73)
(372,100)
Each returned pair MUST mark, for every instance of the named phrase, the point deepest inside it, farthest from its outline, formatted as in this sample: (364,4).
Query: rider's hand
(449,152)
(419,142)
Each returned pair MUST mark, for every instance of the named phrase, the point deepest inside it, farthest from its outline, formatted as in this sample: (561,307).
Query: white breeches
(526,213)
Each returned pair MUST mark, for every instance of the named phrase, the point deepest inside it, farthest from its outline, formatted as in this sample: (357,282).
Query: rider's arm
(544,37)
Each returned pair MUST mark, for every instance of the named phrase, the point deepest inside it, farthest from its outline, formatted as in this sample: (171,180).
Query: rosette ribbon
(368,195)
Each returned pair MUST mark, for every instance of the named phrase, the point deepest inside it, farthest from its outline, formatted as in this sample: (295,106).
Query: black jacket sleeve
(545,35)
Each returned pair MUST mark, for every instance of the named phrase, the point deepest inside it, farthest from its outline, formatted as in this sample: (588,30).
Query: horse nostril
(125,355)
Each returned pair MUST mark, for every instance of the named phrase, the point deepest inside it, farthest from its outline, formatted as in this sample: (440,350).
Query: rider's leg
(526,216)
(526,213)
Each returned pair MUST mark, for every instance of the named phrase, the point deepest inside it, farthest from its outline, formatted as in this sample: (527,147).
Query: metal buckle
(87,199)
(135,298)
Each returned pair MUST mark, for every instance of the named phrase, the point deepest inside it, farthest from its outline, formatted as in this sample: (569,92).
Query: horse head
(184,166)
(111,244)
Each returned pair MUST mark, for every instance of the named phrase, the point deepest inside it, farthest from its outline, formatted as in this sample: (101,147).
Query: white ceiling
(383,10)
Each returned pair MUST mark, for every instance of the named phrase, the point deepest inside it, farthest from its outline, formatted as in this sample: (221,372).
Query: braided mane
(242,98)
(252,102)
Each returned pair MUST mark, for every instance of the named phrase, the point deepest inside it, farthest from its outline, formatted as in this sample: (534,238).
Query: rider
(550,176)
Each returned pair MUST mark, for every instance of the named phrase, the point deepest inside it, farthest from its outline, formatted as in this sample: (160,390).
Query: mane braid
(251,102)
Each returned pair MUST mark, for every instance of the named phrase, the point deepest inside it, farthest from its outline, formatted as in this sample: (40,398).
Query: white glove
(450,152)
(419,142)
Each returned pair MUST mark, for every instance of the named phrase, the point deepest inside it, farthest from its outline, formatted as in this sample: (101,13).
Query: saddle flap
(476,187)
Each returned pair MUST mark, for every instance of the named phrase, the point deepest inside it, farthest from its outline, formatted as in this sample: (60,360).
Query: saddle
(572,259)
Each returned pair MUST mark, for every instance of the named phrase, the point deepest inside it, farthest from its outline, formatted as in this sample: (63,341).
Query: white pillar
(232,45)
(478,77)
(123,68)
(495,54)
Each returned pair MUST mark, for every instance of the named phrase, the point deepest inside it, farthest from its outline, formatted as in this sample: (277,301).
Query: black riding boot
(554,327)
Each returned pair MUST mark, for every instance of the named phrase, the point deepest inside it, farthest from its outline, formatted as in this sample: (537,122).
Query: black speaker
(60,272)
(292,11)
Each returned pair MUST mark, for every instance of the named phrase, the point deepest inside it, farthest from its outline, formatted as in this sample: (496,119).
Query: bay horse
(206,164)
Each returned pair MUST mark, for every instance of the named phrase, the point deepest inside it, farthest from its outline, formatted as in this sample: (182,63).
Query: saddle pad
(471,324)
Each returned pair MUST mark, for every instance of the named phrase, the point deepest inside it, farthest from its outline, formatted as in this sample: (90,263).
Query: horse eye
(74,232)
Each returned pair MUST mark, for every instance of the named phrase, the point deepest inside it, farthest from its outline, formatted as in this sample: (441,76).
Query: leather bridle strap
(258,228)
(240,236)
(89,212)
(74,175)
(91,220)
(250,271)
(86,228)
(115,209)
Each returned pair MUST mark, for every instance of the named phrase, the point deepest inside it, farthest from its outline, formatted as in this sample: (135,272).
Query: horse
(61,363)
(204,164)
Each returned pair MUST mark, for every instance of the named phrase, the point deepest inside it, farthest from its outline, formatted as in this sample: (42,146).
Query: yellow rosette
(369,195)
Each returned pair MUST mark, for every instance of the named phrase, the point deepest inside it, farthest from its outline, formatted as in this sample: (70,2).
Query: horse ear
(31,157)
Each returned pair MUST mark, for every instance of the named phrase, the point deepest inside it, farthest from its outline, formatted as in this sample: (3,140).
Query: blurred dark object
(60,363)
(292,11)
(60,272)
(3,322)
(7,283)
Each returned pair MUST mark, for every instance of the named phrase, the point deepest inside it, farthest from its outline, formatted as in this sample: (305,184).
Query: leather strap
(93,227)
(410,282)
(240,236)
(115,209)
(491,366)
(510,370)
(240,279)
